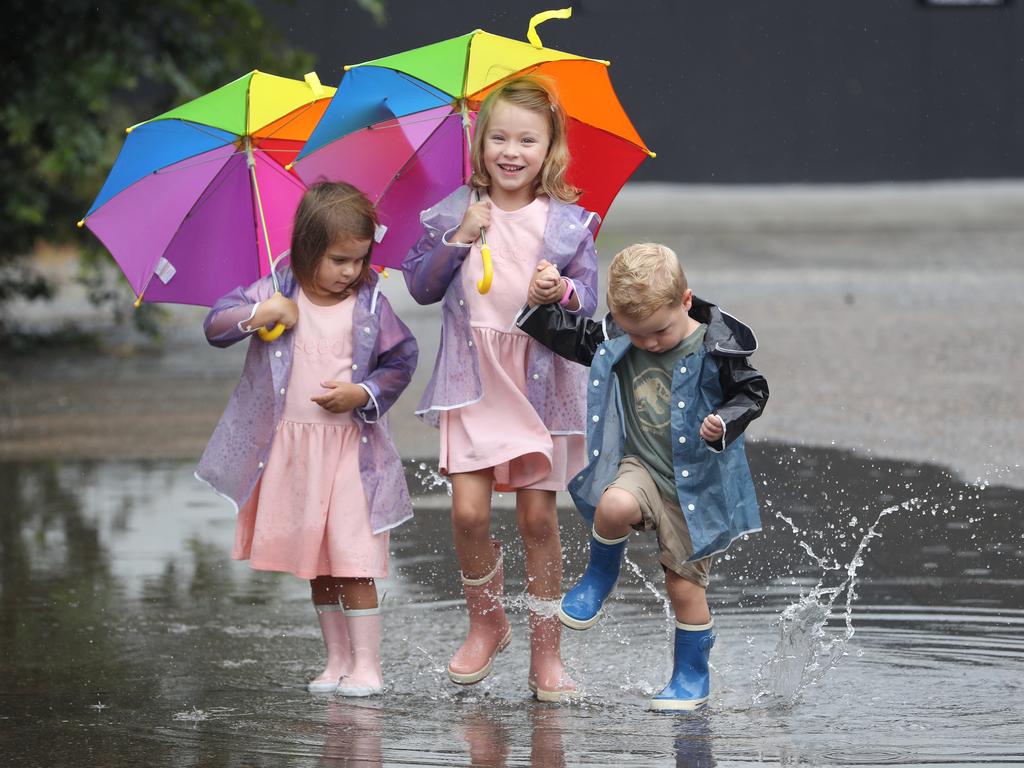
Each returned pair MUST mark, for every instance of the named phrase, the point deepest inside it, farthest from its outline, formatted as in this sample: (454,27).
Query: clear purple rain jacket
(555,387)
(383,360)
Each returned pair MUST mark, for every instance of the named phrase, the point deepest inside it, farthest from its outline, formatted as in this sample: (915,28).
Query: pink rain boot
(489,630)
(548,679)
(364,634)
(339,654)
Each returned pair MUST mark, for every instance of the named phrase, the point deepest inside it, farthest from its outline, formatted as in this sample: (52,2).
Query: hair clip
(379,231)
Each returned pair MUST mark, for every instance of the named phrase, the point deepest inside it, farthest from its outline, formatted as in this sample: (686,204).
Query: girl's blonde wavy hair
(532,94)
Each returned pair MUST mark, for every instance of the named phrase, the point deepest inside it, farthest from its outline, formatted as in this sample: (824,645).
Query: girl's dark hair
(330,211)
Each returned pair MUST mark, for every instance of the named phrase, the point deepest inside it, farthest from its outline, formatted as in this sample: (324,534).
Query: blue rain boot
(691,682)
(581,606)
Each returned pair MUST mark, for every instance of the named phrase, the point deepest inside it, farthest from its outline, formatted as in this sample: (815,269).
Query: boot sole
(322,687)
(578,624)
(471,678)
(359,691)
(554,697)
(677,705)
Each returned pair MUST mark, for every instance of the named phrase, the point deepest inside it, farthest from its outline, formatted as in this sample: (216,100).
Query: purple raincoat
(555,387)
(383,360)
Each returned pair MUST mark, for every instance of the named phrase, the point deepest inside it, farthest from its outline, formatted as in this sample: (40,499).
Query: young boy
(670,393)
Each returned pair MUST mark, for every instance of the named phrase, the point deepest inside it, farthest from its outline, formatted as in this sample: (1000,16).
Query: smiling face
(340,268)
(662,330)
(515,146)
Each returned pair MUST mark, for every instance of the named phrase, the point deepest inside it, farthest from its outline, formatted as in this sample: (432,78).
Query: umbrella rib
(177,167)
(415,81)
(534,67)
(398,174)
(218,180)
(641,147)
(295,115)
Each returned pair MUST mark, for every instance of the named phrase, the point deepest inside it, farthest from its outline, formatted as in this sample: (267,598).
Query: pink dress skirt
(308,514)
(502,430)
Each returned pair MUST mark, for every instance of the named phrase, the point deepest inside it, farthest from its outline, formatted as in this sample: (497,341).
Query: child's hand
(341,396)
(546,287)
(477,215)
(711,429)
(276,309)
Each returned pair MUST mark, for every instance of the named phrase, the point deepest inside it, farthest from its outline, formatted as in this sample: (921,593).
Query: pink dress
(308,514)
(502,429)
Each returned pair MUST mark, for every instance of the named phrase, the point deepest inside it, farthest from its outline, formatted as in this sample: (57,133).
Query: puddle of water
(857,629)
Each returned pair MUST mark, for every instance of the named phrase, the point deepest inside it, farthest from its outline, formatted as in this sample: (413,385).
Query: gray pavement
(888,318)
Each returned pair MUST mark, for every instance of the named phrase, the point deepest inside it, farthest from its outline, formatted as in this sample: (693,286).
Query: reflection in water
(487,739)
(693,742)
(127,634)
(353,736)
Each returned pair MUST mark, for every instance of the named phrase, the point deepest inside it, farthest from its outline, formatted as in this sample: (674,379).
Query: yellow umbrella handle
(484,285)
(269,334)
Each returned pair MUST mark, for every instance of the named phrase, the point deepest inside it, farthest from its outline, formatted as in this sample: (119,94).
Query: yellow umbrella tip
(289,166)
(652,154)
(138,301)
(347,67)
(81,223)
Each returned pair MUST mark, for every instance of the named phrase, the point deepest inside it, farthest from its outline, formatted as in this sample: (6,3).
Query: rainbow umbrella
(399,128)
(200,200)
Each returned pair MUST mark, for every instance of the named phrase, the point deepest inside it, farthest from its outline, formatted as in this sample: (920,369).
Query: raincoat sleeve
(568,335)
(226,322)
(582,268)
(397,353)
(429,266)
(746,392)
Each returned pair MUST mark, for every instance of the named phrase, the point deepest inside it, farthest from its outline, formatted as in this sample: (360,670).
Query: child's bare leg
(325,590)
(482,577)
(471,522)
(617,512)
(358,594)
(690,684)
(362,614)
(689,600)
(538,525)
(537,519)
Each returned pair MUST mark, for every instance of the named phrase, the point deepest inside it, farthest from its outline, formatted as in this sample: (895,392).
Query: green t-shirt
(645,379)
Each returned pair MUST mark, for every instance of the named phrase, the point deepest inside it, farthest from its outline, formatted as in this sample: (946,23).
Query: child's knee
(537,524)
(470,518)
(618,507)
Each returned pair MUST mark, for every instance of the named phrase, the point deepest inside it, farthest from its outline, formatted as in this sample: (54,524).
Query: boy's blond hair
(534,95)
(642,279)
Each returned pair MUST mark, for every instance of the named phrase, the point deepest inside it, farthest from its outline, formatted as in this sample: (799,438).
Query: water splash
(806,651)
(649,585)
(430,479)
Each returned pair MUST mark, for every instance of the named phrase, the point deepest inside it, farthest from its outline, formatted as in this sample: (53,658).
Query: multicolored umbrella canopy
(200,200)
(398,126)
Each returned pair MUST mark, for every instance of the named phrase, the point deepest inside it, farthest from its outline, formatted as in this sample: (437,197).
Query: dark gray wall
(736,91)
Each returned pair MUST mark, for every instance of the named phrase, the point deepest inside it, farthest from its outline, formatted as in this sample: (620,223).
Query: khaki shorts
(664,516)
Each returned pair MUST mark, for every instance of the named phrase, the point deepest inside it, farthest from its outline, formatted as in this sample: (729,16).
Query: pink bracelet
(564,301)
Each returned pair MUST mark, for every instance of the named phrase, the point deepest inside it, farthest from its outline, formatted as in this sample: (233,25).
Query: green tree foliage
(77,73)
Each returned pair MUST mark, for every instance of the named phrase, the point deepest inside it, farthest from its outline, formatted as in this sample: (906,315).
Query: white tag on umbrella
(165,270)
(379,232)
